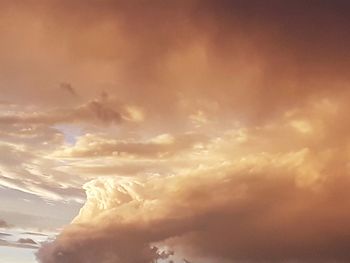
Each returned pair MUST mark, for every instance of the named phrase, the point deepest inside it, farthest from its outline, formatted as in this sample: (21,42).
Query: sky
(187,131)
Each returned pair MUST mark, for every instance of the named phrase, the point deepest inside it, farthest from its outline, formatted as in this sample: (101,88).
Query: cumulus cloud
(254,211)
(262,199)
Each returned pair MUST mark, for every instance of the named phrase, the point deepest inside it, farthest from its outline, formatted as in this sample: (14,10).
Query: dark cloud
(26,241)
(101,247)
(3,224)
(67,87)
(251,58)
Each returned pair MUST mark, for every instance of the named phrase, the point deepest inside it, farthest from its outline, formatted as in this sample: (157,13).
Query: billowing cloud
(216,130)
(256,211)
(262,198)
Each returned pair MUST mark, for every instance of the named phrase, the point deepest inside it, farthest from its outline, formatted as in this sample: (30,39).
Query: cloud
(26,241)
(129,51)
(234,137)
(229,213)
(27,171)
(68,88)
(163,145)
(260,198)
(18,245)
(89,112)
(232,212)
(3,224)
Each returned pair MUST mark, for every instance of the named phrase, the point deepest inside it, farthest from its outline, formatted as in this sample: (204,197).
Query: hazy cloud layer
(214,129)
(92,111)
(163,145)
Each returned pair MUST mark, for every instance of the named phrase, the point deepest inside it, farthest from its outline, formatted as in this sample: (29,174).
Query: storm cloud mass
(200,131)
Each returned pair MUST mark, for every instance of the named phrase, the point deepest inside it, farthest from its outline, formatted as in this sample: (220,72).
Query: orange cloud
(261,198)
(215,129)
